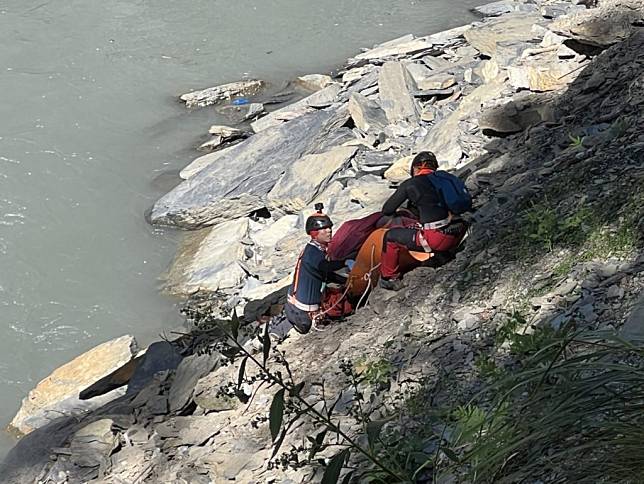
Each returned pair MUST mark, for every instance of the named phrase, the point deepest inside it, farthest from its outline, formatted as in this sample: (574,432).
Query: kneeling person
(312,271)
(438,231)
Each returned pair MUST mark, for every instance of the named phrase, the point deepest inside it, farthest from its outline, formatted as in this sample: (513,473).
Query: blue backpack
(452,191)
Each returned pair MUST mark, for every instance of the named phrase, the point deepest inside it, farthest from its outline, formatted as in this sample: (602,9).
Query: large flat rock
(236,182)
(58,394)
(396,86)
(509,28)
(366,114)
(398,47)
(322,98)
(307,177)
(209,260)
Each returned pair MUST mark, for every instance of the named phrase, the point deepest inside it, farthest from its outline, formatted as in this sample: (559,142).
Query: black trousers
(301,320)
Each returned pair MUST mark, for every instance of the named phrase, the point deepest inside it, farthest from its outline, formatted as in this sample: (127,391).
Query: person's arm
(329,266)
(395,201)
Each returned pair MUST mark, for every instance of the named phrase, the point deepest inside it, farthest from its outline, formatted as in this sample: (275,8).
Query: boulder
(236,182)
(399,171)
(314,82)
(209,259)
(320,99)
(58,394)
(366,114)
(609,24)
(396,86)
(307,177)
(509,28)
(272,233)
(212,95)
(543,76)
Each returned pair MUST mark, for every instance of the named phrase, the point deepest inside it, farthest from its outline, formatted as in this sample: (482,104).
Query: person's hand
(349,263)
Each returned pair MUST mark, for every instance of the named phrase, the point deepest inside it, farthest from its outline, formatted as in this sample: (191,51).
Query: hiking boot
(391,284)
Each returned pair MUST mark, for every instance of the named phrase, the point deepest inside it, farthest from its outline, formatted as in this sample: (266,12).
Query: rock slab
(58,394)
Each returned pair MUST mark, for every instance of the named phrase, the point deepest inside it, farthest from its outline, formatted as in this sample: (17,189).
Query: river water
(91,134)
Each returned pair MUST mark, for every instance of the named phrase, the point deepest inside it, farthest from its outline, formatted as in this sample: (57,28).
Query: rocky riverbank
(538,106)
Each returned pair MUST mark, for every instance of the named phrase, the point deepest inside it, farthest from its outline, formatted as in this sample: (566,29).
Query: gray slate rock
(366,114)
(212,95)
(26,461)
(238,181)
(396,85)
(188,374)
(159,356)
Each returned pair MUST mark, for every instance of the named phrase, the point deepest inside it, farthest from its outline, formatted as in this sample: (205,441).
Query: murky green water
(91,134)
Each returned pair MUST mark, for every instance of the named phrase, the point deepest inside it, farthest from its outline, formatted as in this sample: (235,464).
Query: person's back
(438,230)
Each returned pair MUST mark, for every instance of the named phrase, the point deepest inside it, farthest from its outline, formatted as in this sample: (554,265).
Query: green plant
(376,372)
(539,225)
(487,367)
(576,142)
(572,413)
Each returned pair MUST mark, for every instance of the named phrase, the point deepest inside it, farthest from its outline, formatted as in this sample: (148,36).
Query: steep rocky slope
(556,246)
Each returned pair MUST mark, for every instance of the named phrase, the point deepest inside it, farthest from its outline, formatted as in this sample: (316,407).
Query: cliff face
(544,120)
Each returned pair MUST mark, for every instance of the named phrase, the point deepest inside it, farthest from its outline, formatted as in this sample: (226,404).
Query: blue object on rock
(240,101)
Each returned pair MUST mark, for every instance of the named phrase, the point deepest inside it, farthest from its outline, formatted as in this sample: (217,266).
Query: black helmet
(318,220)
(424,159)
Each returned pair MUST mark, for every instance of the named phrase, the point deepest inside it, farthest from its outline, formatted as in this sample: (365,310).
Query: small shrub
(375,372)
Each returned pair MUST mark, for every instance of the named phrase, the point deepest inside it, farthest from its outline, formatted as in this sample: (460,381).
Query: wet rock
(215,94)
(209,259)
(396,85)
(307,177)
(314,82)
(236,182)
(58,394)
(366,114)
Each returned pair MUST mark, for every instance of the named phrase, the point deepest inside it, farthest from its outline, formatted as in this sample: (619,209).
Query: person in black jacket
(437,230)
(312,270)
